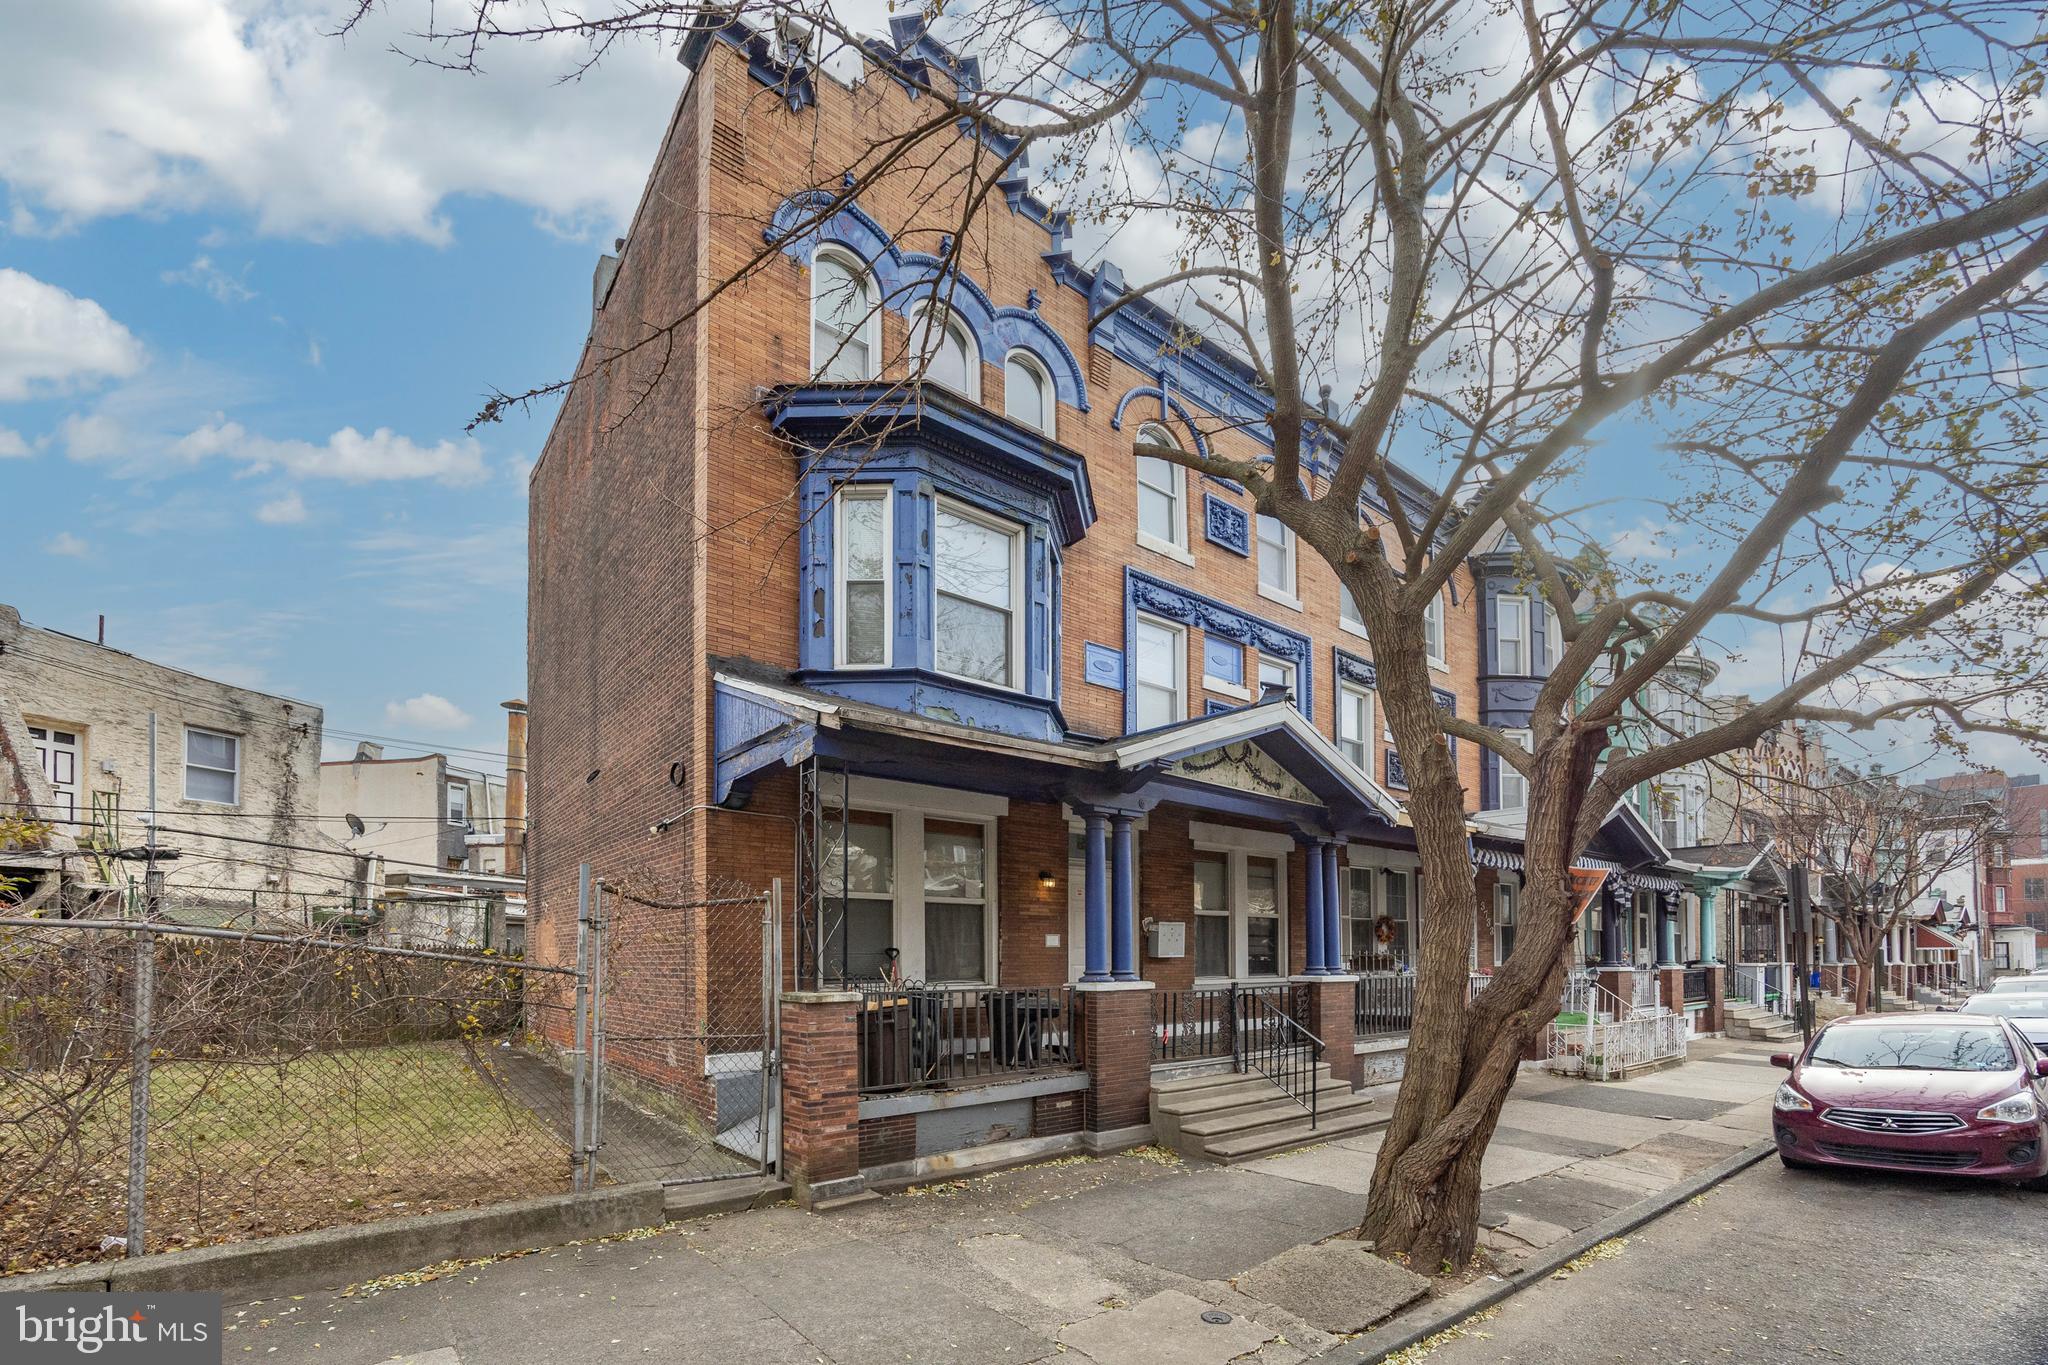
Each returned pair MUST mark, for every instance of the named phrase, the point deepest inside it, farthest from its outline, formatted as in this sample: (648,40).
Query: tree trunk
(1424,1202)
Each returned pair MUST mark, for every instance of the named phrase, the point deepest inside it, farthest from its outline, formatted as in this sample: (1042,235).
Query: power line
(339,850)
(140,811)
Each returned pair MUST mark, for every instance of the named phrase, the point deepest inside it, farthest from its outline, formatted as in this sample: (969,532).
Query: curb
(1421,1323)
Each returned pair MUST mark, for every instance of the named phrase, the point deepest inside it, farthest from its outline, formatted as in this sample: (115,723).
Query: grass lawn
(243,1149)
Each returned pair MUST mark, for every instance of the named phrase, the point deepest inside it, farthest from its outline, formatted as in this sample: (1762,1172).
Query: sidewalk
(1107,1261)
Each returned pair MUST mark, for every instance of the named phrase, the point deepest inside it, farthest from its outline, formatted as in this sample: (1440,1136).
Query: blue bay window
(930,573)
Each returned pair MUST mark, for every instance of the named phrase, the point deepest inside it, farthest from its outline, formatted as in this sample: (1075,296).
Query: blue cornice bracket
(834,417)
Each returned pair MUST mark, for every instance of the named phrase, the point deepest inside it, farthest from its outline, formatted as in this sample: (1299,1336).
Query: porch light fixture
(1045,879)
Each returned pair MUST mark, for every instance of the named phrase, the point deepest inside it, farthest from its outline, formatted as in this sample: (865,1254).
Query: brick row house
(1068,763)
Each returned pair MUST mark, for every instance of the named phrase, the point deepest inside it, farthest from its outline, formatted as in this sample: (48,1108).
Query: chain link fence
(167,1084)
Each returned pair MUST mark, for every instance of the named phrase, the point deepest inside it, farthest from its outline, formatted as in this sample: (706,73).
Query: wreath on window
(1383,930)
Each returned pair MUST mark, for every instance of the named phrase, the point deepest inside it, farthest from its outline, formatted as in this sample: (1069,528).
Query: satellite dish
(355,825)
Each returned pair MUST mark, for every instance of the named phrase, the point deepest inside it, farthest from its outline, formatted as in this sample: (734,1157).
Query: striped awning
(1507,860)
(1651,881)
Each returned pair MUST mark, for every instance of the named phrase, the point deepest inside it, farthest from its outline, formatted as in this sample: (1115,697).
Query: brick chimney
(515,787)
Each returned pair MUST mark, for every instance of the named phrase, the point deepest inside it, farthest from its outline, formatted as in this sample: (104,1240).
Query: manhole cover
(1216,1317)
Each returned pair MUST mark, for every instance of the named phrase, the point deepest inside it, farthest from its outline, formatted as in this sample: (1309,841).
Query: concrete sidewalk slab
(1163,1329)
(1505,1164)
(1621,1099)
(1563,1120)
(1059,1279)
(1338,1286)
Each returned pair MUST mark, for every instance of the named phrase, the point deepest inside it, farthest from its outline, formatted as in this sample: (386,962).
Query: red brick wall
(820,1099)
(1117,1045)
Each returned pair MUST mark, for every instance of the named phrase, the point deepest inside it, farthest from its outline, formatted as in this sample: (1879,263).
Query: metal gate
(679,1025)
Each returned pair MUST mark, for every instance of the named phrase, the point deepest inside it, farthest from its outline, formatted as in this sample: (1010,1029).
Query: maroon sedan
(1923,1092)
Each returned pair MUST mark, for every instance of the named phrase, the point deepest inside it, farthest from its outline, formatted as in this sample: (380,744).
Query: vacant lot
(244,1148)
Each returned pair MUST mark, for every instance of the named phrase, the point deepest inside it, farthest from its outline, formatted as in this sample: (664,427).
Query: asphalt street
(1780,1265)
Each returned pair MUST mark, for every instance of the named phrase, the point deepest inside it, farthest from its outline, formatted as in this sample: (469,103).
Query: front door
(57,755)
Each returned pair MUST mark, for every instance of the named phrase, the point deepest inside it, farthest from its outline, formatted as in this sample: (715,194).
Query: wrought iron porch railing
(1205,1022)
(1385,1004)
(1274,1044)
(914,1036)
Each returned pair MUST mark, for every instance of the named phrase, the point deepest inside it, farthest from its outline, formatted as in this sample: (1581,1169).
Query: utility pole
(144,1005)
(1802,915)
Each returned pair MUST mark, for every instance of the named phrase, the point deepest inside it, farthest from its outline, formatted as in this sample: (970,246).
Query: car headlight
(2020,1108)
(1788,1099)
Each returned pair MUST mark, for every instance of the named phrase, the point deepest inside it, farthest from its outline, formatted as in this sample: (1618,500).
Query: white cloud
(427,711)
(51,340)
(64,543)
(134,106)
(284,511)
(204,275)
(12,447)
(129,435)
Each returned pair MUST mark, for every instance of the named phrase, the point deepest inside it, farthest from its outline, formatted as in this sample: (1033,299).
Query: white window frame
(1177,546)
(455,786)
(1236,845)
(189,765)
(1287,592)
(1349,617)
(908,805)
(1509,894)
(1047,421)
(951,326)
(1512,607)
(1435,622)
(1553,637)
(1180,668)
(870,322)
(881,493)
(1508,774)
(1345,692)
(1015,681)
(1287,668)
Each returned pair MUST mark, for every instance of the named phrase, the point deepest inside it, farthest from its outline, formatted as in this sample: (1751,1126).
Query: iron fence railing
(1385,1004)
(1275,1045)
(913,1036)
(1205,1022)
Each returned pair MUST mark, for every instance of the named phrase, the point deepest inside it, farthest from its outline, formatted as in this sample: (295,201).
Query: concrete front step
(1283,1112)
(1349,1123)
(1188,1094)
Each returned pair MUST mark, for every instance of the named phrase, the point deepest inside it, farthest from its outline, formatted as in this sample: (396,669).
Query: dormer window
(977,576)
(1028,392)
(944,351)
(844,324)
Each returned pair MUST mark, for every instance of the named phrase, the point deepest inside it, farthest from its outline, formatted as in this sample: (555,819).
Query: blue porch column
(1123,956)
(1333,912)
(1312,907)
(1710,920)
(1095,896)
(1667,929)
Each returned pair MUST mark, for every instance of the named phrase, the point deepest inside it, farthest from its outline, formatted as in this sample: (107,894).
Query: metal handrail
(1277,1046)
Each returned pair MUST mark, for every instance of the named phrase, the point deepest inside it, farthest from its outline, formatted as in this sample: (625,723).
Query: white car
(2034,983)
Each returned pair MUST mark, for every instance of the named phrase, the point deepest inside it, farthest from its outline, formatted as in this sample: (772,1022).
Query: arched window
(1162,495)
(944,350)
(1027,392)
(843,320)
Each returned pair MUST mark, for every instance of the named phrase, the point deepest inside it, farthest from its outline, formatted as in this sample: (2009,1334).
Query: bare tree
(1878,848)
(1790,255)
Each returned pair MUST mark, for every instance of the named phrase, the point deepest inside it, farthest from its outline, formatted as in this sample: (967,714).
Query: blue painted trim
(925,427)
(1333,908)
(1095,901)
(764,63)
(1226,524)
(1102,666)
(1315,963)
(808,219)
(926,692)
(1223,660)
(1170,602)
(1123,956)
(1171,404)
(1213,707)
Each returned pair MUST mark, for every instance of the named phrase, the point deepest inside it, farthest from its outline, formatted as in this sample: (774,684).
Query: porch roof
(1297,776)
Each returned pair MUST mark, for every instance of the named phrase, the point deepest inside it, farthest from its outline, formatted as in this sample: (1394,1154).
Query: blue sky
(191,326)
